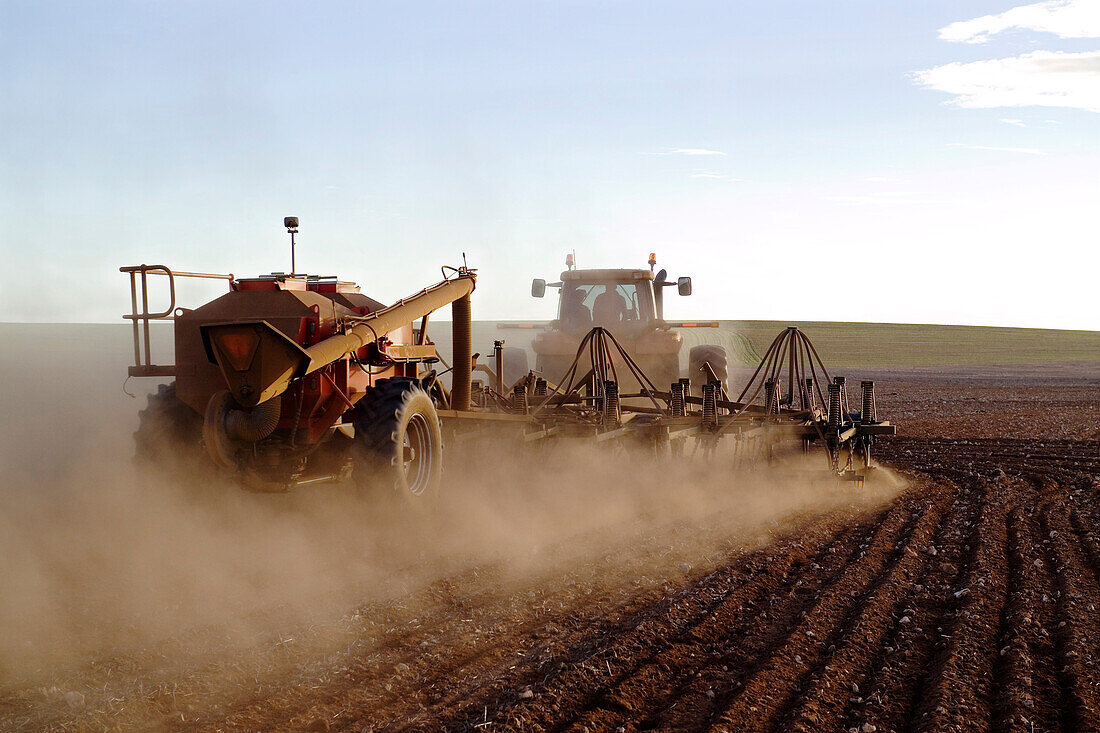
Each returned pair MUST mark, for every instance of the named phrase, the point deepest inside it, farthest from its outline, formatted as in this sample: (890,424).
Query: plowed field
(968,602)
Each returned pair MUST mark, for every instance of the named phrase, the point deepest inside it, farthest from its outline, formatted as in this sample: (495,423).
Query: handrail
(143,366)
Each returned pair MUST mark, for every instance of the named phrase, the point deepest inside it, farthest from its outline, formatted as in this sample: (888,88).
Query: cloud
(715,176)
(883,198)
(1010,121)
(1026,151)
(691,151)
(1063,18)
(1040,78)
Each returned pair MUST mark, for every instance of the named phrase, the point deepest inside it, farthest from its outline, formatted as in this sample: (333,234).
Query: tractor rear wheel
(553,368)
(668,371)
(707,354)
(515,366)
(399,443)
(169,432)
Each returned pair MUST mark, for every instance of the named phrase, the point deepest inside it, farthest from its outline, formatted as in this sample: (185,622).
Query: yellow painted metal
(411,352)
(370,327)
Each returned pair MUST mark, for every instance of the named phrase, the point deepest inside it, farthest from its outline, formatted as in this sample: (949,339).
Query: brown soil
(968,603)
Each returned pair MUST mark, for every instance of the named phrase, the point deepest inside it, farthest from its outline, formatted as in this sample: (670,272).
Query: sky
(861,160)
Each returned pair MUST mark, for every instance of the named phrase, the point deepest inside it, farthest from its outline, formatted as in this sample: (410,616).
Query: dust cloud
(107,566)
(109,559)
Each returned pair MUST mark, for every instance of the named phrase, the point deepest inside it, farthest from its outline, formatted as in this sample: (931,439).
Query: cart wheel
(169,432)
(399,443)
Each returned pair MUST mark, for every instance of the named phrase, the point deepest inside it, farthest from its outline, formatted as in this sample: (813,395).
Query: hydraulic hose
(254,426)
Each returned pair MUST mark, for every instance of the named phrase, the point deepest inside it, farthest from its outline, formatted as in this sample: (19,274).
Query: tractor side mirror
(683,285)
(538,288)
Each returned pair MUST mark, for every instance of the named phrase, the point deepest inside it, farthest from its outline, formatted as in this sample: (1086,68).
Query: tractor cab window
(584,305)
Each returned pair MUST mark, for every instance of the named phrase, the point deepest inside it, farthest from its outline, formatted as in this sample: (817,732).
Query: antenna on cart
(291,224)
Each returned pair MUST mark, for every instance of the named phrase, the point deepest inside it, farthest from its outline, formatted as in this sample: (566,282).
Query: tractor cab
(619,300)
(626,302)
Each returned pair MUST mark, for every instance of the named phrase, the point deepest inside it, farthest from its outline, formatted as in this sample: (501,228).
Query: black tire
(169,432)
(394,416)
(668,371)
(515,366)
(707,354)
(553,368)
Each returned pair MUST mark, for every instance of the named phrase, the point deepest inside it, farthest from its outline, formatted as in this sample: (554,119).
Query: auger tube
(462,349)
(370,327)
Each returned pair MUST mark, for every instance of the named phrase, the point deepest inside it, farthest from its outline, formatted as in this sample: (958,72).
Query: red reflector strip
(239,348)
(699,324)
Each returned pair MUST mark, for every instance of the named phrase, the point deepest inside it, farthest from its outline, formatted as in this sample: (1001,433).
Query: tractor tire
(553,369)
(515,366)
(707,354)
(398,440)
(667,372)
(169,432)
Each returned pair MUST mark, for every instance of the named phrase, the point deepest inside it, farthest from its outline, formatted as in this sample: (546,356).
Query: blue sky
(801,160)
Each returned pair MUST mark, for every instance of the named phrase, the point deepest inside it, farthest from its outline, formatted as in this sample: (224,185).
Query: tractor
(630,304)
